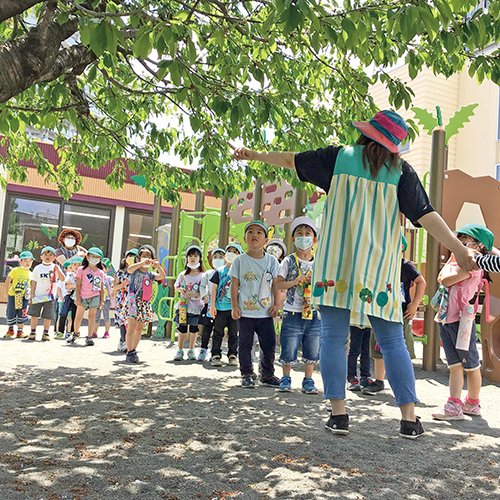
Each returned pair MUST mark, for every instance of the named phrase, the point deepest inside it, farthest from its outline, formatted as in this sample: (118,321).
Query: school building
(114,220)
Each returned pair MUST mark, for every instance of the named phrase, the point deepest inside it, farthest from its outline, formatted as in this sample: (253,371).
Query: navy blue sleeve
(413,200)
(317,166)
(215,278)
(409,269)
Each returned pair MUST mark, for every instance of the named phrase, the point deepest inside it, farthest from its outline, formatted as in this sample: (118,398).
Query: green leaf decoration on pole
(459,119)
(428,121)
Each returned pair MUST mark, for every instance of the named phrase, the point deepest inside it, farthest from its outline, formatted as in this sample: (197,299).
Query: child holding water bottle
(458,330)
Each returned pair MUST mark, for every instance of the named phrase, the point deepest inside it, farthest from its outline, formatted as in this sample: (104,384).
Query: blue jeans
(359,347)
(333,355)
(296,331)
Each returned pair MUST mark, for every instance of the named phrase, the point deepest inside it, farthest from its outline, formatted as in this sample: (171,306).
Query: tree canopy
(132,80)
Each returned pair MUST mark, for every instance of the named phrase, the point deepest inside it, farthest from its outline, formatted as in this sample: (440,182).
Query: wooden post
(257,199)
(199,206)
(156,219)
(224,223)
(433,257)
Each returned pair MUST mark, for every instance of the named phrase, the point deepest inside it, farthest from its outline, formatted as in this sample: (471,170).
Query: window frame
(61,203)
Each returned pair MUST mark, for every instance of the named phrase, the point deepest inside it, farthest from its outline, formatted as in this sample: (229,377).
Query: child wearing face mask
(140,295)
(216,260)
(220,309)
(120,287)
(301,323)
(277,248)
(188,286)
(89,294)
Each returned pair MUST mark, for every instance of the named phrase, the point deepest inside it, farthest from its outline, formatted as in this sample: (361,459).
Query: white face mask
(230,257)
(274,250)
(94,260)
(194,266)
(69,242)
(217,263)
(304,242)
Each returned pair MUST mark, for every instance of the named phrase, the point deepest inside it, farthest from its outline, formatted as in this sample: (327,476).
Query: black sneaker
(373,387)
(411,430)
(338,424)
(354,385)
(88,341)
(270,382)
(72,338)
(132,357)
(248,382)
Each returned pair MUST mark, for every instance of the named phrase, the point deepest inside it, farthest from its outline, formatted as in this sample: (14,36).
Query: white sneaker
(122,346)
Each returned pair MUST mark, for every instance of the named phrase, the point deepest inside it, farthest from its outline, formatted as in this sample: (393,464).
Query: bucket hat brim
(368,130)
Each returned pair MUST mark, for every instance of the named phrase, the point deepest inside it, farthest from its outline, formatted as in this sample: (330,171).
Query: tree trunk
(11,8)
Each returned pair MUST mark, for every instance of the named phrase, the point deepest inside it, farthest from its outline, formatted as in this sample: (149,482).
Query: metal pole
(199,206)
(257,199)
(224,222)
(438,166)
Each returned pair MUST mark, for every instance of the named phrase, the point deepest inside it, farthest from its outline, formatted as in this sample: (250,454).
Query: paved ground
(78,422)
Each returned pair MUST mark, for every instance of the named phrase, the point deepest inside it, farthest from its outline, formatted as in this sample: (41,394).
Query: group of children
(243,293)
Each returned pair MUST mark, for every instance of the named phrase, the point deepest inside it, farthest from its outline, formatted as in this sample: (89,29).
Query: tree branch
(11,8)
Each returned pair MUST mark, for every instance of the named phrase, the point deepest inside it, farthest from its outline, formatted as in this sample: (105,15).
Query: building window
(139,229)
(32,223)
(498,172)
(94,224)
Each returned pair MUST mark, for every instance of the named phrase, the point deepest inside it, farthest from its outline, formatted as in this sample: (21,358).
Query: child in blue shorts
(301,324)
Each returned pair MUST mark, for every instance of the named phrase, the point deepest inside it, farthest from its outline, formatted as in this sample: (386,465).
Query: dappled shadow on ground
(68,433)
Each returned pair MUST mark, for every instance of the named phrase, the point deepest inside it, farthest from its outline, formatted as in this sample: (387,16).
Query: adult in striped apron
(356,277)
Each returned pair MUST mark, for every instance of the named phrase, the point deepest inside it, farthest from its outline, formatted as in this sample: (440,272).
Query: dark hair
(375,156)
(123,264)
(86,263)
(187,269)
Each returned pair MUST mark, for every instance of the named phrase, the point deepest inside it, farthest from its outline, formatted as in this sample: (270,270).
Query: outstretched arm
(437,227)
(279,159)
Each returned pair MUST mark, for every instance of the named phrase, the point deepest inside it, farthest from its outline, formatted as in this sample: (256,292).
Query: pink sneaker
(93,336)
(472,409)
(451,411)
(106,335)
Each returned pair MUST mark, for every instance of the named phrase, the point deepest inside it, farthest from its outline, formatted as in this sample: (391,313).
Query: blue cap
(48,248)
(235,246)
(26,254)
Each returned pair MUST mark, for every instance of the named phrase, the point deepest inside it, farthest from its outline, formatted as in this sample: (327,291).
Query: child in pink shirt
(89,294)
(462,287)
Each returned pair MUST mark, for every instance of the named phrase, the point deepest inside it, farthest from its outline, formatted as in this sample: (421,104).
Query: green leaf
(459,119)
(143,45)
(425,118)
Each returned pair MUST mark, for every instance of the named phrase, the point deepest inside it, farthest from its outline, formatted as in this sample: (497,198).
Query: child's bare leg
(379,368)
(33,322)
(80,311)
(92,322)
(287,370)
(192,340)
(132,324)
(474,381)
(309,369)
(139,327)
(46,324)
(182,338)
(456,381)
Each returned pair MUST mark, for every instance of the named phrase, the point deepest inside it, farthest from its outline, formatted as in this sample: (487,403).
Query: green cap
(479,233)
(68,263)
(95,251)
(132,251)
(76,259)
(26,254)
(48,249)
(236,246)
(404,242)
(257,223)
(107,262)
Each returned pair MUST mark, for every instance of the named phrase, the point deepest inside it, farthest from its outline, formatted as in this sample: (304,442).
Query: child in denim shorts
(462,287)
(301,323)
